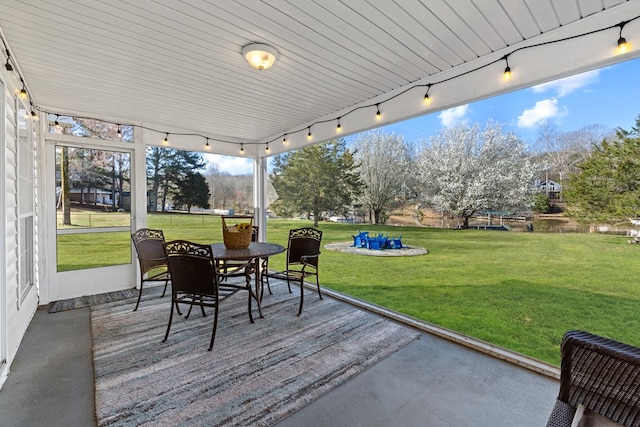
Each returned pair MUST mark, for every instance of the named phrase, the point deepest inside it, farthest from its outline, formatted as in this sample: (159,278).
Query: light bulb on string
(266,147)
(34,116)
(623,45)
(207,144)
(284,139)
(378,114)
(165,141)
(309,136)
(507,71)
(338,127)
(56,123)
(119,131)
(427,99)
(241,148)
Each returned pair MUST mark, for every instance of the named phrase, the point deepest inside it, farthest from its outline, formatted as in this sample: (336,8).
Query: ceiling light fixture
(260,56)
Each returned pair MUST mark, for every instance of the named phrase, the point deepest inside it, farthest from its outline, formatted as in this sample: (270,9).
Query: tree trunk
(65,188)
(465,222)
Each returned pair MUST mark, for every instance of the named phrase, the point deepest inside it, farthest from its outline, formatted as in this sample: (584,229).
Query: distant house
(549,187)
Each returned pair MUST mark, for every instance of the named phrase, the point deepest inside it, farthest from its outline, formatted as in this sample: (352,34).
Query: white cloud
(231,164)
(452,116)
(569,84)
(541,112)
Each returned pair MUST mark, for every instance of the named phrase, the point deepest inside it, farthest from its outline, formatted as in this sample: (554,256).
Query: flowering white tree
(465,169)
(385,166)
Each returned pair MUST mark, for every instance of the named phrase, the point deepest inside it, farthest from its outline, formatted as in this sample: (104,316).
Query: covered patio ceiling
(176,67)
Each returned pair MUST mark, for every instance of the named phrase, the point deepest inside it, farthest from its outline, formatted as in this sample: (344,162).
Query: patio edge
(510,356)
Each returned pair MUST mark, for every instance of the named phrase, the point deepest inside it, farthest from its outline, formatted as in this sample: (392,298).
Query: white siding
(17,313)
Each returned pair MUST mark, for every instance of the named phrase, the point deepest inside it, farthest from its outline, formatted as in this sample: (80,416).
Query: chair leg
(202,307)
(215,326)
(289,284)
(166,283)
(248,285)
(318,285)
(139,296)
(301,297)
(166,335)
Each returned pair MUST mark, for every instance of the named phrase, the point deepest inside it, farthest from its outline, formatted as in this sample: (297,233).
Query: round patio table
(251,257)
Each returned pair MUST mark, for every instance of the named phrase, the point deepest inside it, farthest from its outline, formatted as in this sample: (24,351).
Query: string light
(23,92)
(56,123)
(8,65)
(267,148)
(207,144)
(507,71)
(623,45)
(427,99)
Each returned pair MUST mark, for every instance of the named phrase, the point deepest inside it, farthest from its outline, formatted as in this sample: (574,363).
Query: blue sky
(609,96)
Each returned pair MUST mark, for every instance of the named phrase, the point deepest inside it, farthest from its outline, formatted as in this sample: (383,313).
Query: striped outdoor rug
(256,374)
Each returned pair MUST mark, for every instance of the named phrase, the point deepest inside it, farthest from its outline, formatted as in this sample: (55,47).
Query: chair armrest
(601,374)
(305,258)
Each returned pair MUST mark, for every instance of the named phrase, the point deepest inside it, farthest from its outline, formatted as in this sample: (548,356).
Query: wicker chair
(194,280)
(303,253)
(151,258)
(601,374)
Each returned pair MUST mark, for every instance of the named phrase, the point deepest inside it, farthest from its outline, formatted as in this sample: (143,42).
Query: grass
(518,290)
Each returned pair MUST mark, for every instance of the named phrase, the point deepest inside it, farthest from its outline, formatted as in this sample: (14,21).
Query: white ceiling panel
(170,65)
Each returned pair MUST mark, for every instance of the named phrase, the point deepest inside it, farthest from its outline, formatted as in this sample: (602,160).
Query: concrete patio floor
(430,382)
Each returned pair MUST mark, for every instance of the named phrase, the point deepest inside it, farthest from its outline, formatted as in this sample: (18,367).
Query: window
(26,201)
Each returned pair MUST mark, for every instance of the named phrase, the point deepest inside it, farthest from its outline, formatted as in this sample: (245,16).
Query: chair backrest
(192,267)
(303,241)
(148,243)
(600,374)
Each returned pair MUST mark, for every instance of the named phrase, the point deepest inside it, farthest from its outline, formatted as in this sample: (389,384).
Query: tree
(165,168)
(192,190)
(315,179)
(607,186)
(465,169)
(385,169)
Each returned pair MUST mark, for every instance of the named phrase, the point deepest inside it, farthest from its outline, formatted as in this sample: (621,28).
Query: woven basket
(236,239)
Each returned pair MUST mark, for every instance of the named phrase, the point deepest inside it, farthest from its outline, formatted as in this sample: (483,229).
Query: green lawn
(518,290)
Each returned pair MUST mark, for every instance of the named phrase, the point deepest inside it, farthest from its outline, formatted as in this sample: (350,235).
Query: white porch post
(139,185)
(260,196)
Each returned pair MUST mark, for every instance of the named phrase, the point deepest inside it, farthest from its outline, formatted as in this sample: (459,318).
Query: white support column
(260,196)
(139,184)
